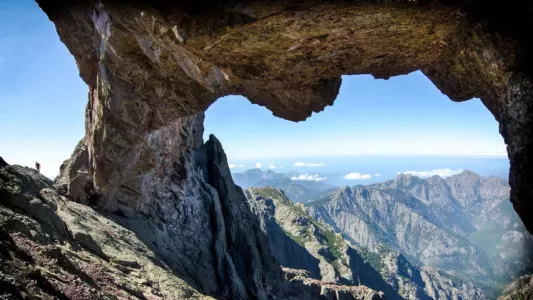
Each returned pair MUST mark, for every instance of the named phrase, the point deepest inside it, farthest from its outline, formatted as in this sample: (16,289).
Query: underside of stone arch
(152,66)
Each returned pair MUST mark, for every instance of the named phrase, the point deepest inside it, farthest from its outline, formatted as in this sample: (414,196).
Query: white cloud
(302,164)
(258,165)
(447,172)
(281,167)
(377,175)
(356,176)
(271,166)
(308,177)
(231,166)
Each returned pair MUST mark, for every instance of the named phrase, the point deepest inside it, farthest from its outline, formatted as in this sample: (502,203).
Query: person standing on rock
(38,167)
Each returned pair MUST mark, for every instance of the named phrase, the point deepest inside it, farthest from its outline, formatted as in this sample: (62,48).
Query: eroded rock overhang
(149,64)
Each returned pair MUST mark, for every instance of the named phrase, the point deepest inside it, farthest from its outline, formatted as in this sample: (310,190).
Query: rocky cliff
(205,242)
(314,247)
(153,67)
(446,223)
(192,215)
(54,248)
(149,64)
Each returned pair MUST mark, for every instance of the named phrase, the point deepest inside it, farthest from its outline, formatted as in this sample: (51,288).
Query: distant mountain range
(463,225)
(296,190)
(299,241)
(251,177)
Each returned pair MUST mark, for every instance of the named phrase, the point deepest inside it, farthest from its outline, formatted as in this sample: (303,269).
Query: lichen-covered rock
(74,180)
(208,242)
(54,248)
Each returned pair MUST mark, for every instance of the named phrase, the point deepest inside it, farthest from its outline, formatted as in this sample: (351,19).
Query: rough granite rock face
(151,63)
(203,240)
(305,287)
(285,249)
(74,180)
(54,248)
(418,217)
(193,216)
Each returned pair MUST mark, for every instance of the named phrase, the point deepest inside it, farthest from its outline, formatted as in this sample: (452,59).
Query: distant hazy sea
(386,166)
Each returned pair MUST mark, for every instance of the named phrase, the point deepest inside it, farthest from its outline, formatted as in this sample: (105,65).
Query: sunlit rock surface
(150,63)
(462,224)
(520,289)
(54,248)
(152,68)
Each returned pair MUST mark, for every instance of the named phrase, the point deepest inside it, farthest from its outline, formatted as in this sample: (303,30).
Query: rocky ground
(54,248)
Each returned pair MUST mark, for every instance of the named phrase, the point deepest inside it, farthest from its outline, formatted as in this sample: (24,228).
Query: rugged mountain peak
(255,171)
(406,180)
(436,179)
(436,222)
(466,175)
(404,176)
(345,190)
(326,256)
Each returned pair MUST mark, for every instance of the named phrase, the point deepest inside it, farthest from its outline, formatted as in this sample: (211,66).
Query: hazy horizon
(366,169)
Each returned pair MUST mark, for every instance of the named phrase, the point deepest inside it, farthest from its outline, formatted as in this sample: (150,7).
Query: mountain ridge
(339,261)
(297,190)
(434,221)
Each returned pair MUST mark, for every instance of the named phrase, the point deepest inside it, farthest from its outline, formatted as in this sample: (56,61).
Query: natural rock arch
(151,66)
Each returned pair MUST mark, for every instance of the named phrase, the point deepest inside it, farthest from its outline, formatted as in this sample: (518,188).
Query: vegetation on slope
(333,241)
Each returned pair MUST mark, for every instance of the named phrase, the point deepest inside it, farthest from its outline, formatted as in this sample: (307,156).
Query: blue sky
(405,115)
(43,100)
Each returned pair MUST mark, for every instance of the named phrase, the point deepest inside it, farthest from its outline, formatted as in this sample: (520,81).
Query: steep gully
(153,67)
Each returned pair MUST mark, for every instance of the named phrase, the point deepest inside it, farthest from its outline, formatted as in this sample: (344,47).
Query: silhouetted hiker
(38,167)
